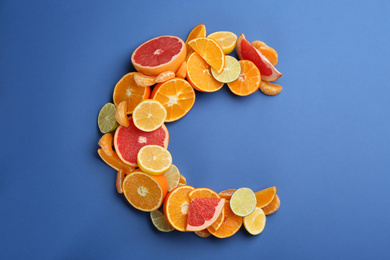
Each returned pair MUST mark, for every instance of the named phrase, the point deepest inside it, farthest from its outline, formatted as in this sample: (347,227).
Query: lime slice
(160,221)
(173,177)
(254,223)
(243,202)
(106,118)
(230,73)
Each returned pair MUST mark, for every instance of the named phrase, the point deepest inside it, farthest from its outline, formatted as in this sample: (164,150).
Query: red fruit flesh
(203,212)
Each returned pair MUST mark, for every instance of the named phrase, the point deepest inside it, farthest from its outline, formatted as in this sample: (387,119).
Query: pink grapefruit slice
(203,212)
(164,53)
(129,140)
(246,51)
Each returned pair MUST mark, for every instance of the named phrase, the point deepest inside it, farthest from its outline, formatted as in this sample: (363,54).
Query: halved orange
(176,95)
(273,206)
(114,161)
(231,224)
(210,51)
(249,80)
(264,197)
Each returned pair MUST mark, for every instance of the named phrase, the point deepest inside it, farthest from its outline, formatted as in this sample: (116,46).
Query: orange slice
(210,51)
(273,206)
(267,51)
(114,161)
(121,114)
(249,80)
(200,76)
(270,89)
(196,32)
(176,95)
(149,115)
(106,144)
(183,180)
(231,224)
(264,197)
(143,80)
(164,76)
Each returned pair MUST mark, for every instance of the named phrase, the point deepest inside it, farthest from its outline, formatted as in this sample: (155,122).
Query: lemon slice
(106,119)
(173,177)
(160,221)
(149,115)
(230,73)
(243,202)
(254,223)
(227,40)
(154,159)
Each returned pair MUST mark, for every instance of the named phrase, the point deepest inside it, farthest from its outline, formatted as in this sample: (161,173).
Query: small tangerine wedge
(143,80)
(176,206)
(114,161)
(204,233)
(269,88)
(182,71)
(264,197)
(267,51)
(154,159)
(183,180)
(249,80)
(226,39)
(105,142)
(231,224)
(176,95)
(121,114)
(254,223)
(149,115)
(210,51)
(164,76)
(227,194)
(127,90)
(200,76)
(145,192)
(272,207)
(196,32)
(119,180)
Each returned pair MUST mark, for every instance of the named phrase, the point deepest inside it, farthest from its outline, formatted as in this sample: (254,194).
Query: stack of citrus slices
(135,139)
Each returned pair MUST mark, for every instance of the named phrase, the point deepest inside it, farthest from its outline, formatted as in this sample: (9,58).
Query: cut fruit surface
(160,221)
(231,224)
(149,115)
(230,73)
(210,51)
(267,51)
(270,89)
(226,39)
(254,223)
(114,161)
(181,72)
(164,53)
(154,159)
(273,206)
(264,197)
(248,81)
(203,212)
(196,32)
(243,202)
(173,177)
(106,118)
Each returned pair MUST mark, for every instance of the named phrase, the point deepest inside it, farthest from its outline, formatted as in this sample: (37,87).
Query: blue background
(324,141)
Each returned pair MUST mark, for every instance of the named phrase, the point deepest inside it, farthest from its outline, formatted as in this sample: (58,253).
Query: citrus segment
(231,224)
(269,88)
(267,51)
(106,118)
(227,194)
(105,142)
(202,233)
(248,81)
(182,180)
(164,76)
(264,197)
(254,223)
(160,221)
(119,180)
(143,80)
(210,51)
(177,96)
(181,72)
(154,159)
(273,206)
(203,212)
(199,74)
(114,161)
(121,114)
(243,202)
(227,40)
(230,73)
(196,32)
(149,115)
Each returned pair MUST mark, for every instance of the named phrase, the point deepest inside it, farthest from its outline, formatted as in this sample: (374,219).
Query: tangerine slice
(264,197)
(272,207)
(121,114)
(105,142)
(227,194)
(270,89)
(249,80)
(119,180)
(164,76)
(204,233)
(143,80)
(231,224)
(210,51)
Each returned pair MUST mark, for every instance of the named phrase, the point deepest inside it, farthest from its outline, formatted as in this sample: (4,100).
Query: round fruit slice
(227,40)
(243,202)
(264,197)
(154,159)
(160,221)
(231,224)
(173,177)
(159,54)
(273,206)
(129,140)
(106,118)
(254,223)
(230,73)
(249,80)
(210,51)
(203,212)
(145,192)
(149,115)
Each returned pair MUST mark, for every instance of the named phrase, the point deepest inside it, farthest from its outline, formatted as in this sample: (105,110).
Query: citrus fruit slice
(154,159)
(176,95)
(164,76)
(227,40)
(230,73)
(203,212)
(243,202)
(199,74)
(264,197)
(114,161)
(119,180)
(196,32)
(176,207)
(127,90)
(227,194)
(145,192)
(246,51)
(159,54)
(269,88)
(106,118)
(173,177)
(160,221)
(181,72)
(121,114)
(143,80)
(248,81)
(202,233)
(267,51)
(210,51)
(183,180)
(273,206)
(254,223)
(231,224)
(149,115)
(129,140)
(105,142)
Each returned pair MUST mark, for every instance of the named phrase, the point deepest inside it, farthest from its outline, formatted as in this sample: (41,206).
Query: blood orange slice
(129,140)
(164,53)
(203,212)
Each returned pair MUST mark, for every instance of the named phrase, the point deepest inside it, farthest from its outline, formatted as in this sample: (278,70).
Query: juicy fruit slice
(227,40)
(149,115)
(127,90)
(230,73)
(248,81)
(160,221)
(164,53)
(267,51)
(105,142)
(121,114)
(173,177)
(183,180)
(143,80)
(254,223)
(264,197)
(227,194)
(243,202)
(203,212)
(106,118)
(202,233)
(164,76)
(114,161)
(129,140)
(210,51)
(246,51)
(231,224)
(196,32)
(270,89)
(177,96)
(199,74)
(273,206)
(145,192)
(119,180)
(154,159)
(181,72)
(176,206)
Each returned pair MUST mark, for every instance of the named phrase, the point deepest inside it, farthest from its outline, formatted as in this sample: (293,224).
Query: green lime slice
(243,202)
(230,73)
(106,118)
(160,221)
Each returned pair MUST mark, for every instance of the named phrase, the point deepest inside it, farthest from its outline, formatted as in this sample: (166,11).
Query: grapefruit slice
(246,51)
(129,140)
(163,53)
(203,212)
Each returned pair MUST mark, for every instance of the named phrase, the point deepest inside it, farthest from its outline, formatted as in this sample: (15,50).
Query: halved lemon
(154,159)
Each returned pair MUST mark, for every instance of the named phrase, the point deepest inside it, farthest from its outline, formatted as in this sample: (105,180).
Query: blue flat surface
(324,141)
